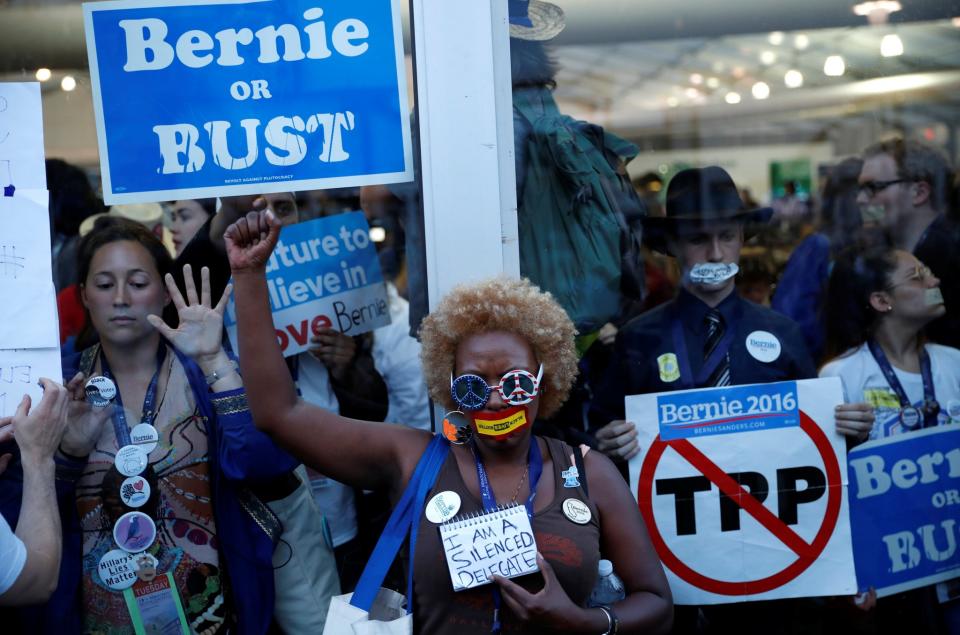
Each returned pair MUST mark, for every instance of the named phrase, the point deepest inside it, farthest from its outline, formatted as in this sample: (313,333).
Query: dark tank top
(572,550)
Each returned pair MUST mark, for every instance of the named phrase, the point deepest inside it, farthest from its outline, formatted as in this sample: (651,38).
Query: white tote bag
(387,616)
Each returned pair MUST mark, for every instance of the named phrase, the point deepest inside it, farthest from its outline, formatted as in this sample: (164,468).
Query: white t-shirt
(13,556)
(863,382)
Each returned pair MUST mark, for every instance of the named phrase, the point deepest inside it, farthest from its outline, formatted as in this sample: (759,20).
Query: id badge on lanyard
(155,607)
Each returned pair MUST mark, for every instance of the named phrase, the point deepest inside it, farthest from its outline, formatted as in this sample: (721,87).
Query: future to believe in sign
(322,274)
(227,97)
(743,490)
(904,509)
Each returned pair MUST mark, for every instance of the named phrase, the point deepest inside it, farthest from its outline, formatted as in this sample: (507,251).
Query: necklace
(523,479)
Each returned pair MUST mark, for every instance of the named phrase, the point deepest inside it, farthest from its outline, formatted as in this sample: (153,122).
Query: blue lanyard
(535,465)
(120,427)
(687,380)
(929,396)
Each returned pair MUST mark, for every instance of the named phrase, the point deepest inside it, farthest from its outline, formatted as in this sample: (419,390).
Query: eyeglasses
(921,273)
(516,387)
(872,188)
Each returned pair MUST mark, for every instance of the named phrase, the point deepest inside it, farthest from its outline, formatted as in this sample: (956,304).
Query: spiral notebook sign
(478,547)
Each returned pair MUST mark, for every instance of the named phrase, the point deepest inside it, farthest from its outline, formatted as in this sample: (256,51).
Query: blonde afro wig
(500,304)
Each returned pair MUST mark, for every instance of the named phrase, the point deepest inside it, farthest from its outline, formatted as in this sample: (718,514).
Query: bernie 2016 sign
(226,97)
(904,506)
(323,274)
(743,492)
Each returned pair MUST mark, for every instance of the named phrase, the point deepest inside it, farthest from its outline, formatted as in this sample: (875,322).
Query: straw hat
(535,20)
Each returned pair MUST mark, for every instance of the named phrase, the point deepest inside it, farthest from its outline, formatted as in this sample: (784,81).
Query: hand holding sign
(854,420)
(618,440)
(250,241)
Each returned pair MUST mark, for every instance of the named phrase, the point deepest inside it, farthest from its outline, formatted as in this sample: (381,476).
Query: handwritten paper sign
(28,313)
(20,372)
(284,95)
(322,274)
(498,543)
(21,138)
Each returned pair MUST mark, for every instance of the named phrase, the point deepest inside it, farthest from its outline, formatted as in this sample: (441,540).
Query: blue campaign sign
(710,411)
(904,508)
(227,97)
(323,274)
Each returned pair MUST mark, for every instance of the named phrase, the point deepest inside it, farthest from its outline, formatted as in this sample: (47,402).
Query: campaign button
(953,409)
(134,532)
(763,346)
(144,436)
(135,491)
(117,570)
(669,367)
(577,511)
(146,566)
(443,507)
(910,417)
(100,391)
(131,460)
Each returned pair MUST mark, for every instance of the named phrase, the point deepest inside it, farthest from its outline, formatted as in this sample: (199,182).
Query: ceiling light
(68,83)
(834,66)
(793,78)
(696,79)
(712,82)
(775,38)
(801,41)
(768,57)
(877,11)
(691,92)
(378,234)
(891,45)
(43,74)
(760,90)
(732,98)
(672,102)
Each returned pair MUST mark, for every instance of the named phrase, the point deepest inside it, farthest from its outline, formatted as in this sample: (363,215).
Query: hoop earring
(456,428)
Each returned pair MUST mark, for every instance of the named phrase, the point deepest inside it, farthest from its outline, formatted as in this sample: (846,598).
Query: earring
(456,428)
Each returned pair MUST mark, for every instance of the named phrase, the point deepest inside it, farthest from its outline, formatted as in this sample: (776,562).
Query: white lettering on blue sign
(727,410)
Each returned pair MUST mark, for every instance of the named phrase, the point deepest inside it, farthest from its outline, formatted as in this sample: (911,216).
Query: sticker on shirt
(134,532)
(881,398)
(155,607)
(953,409)
(577,511)
(763,346)
(131,460)
(443,507)
(145,437)
(135,491)
(571,477)
(117,569)
(669,367)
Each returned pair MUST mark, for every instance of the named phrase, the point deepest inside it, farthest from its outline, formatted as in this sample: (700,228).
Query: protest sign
(28,313)
(322,274)
(246,96)
(21,138)
(497,543)
(20,370)
(743,490)
(904,505)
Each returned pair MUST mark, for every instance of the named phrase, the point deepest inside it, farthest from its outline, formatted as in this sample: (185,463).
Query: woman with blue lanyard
(501,352)
(168,532)
(878,302)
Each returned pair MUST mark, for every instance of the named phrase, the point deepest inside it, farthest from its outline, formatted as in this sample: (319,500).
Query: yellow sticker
(881,398)
(500,427)
(669,368)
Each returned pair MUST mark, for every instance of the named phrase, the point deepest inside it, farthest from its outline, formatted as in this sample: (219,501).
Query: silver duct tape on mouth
(712,273)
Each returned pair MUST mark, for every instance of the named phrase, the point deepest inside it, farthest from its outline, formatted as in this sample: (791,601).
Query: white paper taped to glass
(480,546)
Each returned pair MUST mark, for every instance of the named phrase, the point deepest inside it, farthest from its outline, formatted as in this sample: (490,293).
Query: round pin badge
(134,532)
(910,417)
(146,566)
(131,460)
(135,491)
(144,436)
(763,346)
(117,570)
(577,511)
(953,409)
(443,507)
(100,391)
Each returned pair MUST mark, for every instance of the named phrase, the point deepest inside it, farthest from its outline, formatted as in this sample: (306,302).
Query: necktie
(715,329)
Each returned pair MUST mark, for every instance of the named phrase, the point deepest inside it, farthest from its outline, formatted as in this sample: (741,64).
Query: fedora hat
(698,196)
(535,20)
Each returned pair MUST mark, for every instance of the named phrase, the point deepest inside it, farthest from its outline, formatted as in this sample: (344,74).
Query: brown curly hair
(500,304)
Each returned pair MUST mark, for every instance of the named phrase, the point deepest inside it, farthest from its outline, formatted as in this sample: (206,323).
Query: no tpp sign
(743,491)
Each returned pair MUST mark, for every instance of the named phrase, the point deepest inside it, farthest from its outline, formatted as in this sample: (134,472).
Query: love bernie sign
(227,97)
(743,490)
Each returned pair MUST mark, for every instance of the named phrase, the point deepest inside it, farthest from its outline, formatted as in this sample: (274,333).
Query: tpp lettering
(789,495)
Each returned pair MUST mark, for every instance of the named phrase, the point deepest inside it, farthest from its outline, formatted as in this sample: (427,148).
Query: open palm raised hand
(200,331)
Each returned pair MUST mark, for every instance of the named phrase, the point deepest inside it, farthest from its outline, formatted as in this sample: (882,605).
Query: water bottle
(609,588)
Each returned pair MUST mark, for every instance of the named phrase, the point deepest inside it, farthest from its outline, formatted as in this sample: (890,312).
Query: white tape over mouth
(712,273)
(933,296)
